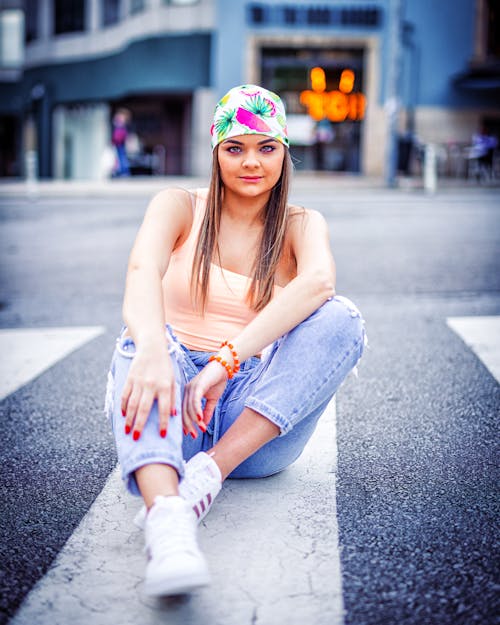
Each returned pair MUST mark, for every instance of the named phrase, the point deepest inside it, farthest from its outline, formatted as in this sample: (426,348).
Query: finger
(173,402)
(197,411)
(131,409)
(127,389)
(209,411)
(164,412)
(143,410)
(187,420)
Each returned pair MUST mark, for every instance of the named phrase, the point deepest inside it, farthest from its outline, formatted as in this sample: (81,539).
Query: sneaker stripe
(197,512)
(202,504)
(209,498)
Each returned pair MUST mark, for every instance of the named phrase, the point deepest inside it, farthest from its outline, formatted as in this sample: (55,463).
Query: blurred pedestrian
(481,153)
(121,120)
(235,340)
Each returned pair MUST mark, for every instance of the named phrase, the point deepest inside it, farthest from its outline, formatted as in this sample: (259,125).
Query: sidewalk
(271,544)
(312,181)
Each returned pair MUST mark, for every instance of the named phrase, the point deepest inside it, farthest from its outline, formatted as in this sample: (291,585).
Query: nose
(251,159)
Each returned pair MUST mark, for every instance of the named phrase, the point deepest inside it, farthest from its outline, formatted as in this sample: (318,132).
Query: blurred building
(67,65)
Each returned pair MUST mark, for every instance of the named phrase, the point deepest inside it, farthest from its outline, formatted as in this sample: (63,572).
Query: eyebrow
(268,140)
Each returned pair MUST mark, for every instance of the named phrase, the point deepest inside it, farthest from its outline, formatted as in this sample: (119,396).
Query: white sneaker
(201,485)
(176,564)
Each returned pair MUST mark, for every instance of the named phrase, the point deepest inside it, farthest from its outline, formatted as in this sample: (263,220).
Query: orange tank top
(226,312)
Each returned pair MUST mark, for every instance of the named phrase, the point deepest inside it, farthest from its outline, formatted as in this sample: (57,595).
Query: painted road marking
(482,335)
(28,352)
(271,544)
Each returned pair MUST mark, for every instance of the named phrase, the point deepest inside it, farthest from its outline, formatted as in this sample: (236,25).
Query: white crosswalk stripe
(253,539)
(28,352)
(482,335)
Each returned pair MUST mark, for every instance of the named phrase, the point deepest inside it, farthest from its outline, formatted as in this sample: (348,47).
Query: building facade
(66,66)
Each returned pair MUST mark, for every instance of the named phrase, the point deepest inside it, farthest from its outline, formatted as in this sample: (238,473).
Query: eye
(234,149)
(267,149)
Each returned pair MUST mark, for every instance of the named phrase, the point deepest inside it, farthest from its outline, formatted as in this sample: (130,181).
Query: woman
(256,344)
(119,135)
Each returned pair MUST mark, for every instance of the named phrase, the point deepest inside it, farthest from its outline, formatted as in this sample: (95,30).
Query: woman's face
(250,165)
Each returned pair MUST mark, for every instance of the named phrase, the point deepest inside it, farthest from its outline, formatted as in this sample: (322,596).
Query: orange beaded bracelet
(226,366)
(231,371)
(236,362)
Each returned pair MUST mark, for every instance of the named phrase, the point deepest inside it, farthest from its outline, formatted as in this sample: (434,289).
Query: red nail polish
(124,414)
(127,429)
(163,433)
(202,427)
(193,434)
(136,435)
(173,412)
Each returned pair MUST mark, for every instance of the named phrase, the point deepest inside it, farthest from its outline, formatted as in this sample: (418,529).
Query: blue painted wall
(443,35)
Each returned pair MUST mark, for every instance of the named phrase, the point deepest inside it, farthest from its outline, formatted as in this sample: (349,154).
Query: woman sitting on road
(235,341)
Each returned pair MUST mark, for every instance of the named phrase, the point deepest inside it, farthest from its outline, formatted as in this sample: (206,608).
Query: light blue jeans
(291,385)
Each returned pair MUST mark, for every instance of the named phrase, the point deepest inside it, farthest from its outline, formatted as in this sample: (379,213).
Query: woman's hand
(151,376)
(209,383)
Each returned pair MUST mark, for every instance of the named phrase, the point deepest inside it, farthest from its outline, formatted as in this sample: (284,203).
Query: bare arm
(166,223)
(313,285)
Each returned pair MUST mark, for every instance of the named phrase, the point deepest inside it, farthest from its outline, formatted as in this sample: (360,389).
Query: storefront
(159,134)
(323,92)
(71,105)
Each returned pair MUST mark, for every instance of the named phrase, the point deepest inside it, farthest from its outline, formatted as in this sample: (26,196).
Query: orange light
(318,80)
(346,84)
(336,106)
(357,103)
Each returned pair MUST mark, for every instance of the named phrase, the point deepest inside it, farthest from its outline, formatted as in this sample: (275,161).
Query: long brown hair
(271,245)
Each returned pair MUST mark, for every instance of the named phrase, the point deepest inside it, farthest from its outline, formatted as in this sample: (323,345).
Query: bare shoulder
(173,199)
(172,205)
(168,219)
(302,220)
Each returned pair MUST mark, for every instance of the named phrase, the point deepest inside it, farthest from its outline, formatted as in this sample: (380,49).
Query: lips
(251,178)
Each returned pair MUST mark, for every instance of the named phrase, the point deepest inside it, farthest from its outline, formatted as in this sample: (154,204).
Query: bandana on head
(249,110)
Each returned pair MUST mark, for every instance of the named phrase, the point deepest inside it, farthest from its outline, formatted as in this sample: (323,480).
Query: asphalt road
(417,484)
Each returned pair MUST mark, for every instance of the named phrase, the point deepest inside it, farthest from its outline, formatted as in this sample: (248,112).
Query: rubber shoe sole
(180,585)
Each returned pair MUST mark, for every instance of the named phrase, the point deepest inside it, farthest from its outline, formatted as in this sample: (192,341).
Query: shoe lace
(201,483)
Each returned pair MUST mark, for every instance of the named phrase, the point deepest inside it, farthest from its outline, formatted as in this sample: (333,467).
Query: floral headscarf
(249,110)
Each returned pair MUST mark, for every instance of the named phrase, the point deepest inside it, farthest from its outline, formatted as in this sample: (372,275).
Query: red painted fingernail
(124,414)
(163,433)
(185,431)
(136,435)
(193,434)
(127,429)
(202,427)
(199,417)
(173,412)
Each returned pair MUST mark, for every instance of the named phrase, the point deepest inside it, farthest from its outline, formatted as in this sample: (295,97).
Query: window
(257,14)
(11,38)
(290,15)
(487,47)
(69,16)
(110,12)
(30,20)
(318,16)
(367,16)
(493,30)
(136,6)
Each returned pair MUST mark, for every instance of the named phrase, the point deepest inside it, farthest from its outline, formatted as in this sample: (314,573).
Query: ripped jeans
(291,385)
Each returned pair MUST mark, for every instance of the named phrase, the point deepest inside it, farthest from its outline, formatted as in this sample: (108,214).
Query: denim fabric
(291,385)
